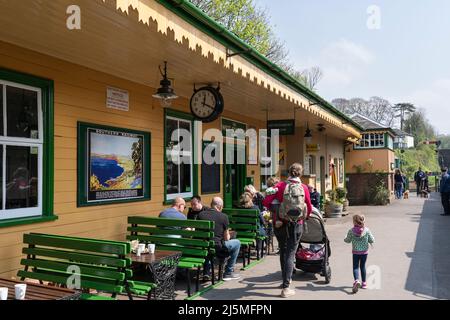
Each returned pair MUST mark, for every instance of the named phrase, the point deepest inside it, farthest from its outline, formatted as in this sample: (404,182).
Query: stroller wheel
(328,275)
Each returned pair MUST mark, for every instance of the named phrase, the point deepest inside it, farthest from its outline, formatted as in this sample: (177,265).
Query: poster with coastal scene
(115,166)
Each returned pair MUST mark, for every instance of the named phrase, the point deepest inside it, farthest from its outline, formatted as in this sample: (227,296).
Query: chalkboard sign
(285,127)
(210,169)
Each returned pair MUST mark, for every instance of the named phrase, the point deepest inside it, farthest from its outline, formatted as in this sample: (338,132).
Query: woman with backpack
(295,206)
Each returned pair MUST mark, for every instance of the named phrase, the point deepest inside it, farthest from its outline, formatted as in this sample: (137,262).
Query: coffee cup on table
(151,248)
(3,293)
(20,290)
(140,249)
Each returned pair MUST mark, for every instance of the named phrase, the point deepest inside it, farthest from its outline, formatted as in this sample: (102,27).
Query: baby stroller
(314,259)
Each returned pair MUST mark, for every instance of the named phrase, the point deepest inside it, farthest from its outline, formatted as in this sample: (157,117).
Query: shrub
(377,193)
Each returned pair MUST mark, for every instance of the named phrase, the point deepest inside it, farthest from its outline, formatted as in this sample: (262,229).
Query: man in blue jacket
(445,191)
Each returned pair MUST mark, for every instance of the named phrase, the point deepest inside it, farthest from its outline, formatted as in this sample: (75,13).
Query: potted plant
(333,206)
(342,197)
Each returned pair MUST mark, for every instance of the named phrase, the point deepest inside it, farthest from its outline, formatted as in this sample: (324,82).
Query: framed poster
(113,165)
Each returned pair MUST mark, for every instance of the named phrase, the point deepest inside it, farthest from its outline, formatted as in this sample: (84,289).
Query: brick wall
(360,184)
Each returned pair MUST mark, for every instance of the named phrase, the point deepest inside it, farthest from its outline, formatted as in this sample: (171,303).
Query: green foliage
(419,127)
(378,194)
(336,195)
(252,25)
(243,18)
(341,193)
(423,156)
(358,168)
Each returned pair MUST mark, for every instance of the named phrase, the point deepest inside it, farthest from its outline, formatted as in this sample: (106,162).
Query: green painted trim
(193,15)
(185,116)
(24,221)
(81,165)
(205,290)
(252,264)
(47,90)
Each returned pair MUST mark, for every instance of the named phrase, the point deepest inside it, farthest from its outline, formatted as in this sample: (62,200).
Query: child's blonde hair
(359,220)
(272,181)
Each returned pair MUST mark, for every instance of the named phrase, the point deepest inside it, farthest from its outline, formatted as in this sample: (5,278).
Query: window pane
(22,113)
(172,178)
(183,135)
(1,110)
(21,177)
(171,126)
(185,178)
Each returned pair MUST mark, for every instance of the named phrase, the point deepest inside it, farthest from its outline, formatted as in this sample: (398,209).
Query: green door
(234,176)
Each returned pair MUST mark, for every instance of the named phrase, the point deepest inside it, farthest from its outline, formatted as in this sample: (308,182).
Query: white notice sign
(117,99)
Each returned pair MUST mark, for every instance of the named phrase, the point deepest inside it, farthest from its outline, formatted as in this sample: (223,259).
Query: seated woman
(246,202)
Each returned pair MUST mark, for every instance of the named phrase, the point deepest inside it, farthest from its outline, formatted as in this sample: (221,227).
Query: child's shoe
(356,286)
(364,285)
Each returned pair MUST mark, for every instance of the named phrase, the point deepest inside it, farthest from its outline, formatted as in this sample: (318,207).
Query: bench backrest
(102,264)
(243,221)
(197,242)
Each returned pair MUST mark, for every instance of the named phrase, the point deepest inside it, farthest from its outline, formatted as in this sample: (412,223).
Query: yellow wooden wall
(80,95)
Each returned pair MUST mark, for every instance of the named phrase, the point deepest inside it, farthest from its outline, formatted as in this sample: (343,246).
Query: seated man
(196,207)
(222,236)
(174,212)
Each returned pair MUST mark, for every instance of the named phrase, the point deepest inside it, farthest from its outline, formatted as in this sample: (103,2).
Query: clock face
(206,104)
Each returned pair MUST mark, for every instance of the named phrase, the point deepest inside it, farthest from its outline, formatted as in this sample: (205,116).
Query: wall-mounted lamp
(165,93)
(308,135)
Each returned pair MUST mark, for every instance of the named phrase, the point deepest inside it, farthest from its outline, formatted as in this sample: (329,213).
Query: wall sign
(286,127)
(113,165)
(312,147)
(117,99)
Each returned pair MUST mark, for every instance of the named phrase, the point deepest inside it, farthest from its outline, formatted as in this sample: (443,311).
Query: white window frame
(183,154)
(373,141)
(5,141)
(264,171)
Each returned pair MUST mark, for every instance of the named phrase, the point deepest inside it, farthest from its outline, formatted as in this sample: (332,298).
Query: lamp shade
(308,136)
(165,92)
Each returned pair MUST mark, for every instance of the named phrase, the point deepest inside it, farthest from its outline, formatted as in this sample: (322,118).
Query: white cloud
(342,62)
(434,99)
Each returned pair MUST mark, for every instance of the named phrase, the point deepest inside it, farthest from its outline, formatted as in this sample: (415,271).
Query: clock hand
(207,105)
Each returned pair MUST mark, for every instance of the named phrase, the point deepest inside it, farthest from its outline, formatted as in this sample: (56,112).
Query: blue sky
(407,60)
(117,145)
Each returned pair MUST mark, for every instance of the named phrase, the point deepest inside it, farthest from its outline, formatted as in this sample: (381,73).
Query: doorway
(234,174)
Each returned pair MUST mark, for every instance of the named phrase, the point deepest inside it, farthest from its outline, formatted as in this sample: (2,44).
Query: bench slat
(91,271)
(84,244)
(193,243)
(62,278)
(79,257)
(162,222)
(183,233)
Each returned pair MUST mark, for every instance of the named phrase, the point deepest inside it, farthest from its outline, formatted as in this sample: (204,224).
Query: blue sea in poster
(105,169)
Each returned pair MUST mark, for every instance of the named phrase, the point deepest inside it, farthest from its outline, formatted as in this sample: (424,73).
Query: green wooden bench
(245,222)
(101,265)
(196,245)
